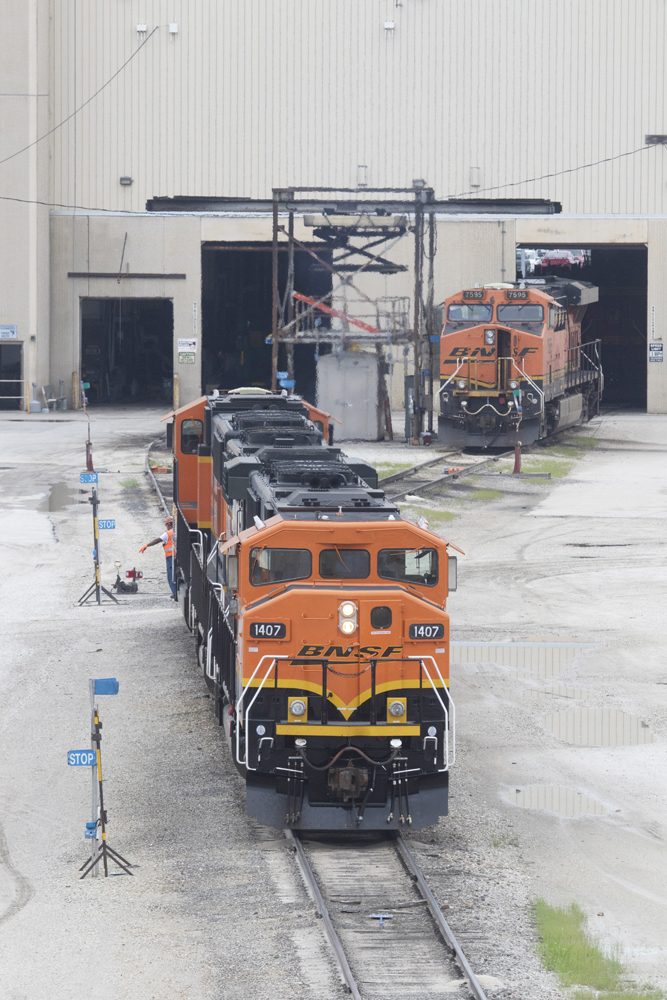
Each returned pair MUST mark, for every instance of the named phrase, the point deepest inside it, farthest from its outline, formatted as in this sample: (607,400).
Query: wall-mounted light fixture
(126,181)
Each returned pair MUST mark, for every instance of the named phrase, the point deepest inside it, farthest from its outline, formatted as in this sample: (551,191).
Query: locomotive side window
(345,564)
(279,565)
(466,311)
(192,435)
(409,565)
(531,312)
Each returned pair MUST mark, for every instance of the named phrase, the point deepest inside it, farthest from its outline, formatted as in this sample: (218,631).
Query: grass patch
(505,840)
(385,469)
(567,950)
(578,960)
(643,993)
(130,483)
(483,494)
(558,467)
(434,517)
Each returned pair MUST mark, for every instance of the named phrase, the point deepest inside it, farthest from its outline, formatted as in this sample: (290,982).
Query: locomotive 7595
(319,618)
(513,367)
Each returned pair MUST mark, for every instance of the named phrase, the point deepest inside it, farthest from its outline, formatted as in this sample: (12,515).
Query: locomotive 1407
(318,614)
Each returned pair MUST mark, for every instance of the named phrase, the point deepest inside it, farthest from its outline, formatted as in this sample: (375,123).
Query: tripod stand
(96,587)
(105,853)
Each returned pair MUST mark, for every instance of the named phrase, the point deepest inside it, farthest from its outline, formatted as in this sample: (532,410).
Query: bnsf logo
(341,653)
(483,352)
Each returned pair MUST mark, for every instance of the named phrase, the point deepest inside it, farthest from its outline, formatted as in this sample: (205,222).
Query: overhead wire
(462,194)
(76,111)
(556,173)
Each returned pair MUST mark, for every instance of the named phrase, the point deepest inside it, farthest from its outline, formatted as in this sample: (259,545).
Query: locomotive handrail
(239,717)
(598,367)
(522,372)
(459,366)
(200,543)
(445,710)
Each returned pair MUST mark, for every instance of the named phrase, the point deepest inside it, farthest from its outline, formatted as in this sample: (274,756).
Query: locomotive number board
(426,631)
(474,293)
(268,630)
(517,294)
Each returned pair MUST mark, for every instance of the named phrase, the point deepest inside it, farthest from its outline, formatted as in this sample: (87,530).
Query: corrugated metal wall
(275,92)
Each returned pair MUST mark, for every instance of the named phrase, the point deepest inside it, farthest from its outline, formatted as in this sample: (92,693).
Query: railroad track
(419,478)
(387,931)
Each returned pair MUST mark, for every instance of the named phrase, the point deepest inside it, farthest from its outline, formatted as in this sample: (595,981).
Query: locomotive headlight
(397,708)
(297,707)
(514,384)
(461,383)
(489,336)
(396,744)
(347,617)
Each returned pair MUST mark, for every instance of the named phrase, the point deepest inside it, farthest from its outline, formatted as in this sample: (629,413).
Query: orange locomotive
(319,618)
(513,367)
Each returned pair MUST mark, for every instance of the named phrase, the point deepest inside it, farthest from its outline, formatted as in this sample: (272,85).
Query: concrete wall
(155,245)
(24,225)
(469,250)
(657,315)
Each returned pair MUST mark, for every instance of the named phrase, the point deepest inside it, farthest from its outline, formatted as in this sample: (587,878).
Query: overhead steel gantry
(356,235)
(358,229)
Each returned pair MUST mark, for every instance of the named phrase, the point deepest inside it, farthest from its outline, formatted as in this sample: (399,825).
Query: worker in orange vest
(167,539)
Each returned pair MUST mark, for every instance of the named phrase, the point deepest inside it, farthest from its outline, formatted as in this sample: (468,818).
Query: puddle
(598,727)
(557,799)
(541,658)
(60,496)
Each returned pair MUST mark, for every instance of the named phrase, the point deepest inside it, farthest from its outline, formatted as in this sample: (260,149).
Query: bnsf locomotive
(513,367)
(318,614)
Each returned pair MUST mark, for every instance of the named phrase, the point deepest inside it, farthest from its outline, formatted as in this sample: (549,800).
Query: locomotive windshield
(478,311)
(531,312)
(345,564)
(279,565)
(409,565)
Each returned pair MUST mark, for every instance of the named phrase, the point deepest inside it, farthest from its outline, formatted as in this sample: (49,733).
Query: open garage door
(127,349)
(236,316)
(618,319)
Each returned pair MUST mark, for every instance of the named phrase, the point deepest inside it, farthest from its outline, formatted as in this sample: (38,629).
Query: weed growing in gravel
(436,518)
(385,469)
(577,958)
(483,494)
(504,840)
(129,483)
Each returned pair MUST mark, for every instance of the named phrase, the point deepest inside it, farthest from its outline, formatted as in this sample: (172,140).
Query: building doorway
(127,349)
(619,317)
(11,387)
(236,316)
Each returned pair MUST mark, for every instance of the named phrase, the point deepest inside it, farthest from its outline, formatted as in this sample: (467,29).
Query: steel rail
(441,923)
(334,940)
(451,475)
(149,472)
(415,468)
(427,896)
